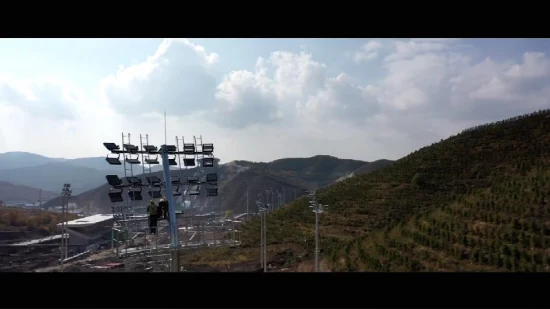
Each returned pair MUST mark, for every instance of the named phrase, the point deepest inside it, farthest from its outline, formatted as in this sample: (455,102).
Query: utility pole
(247,201)
(65,194)
(272,199)
(266,197)
(265,239)
(317,209)
(263,251)
(260,213)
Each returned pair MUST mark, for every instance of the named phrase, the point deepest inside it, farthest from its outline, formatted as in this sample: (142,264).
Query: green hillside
(476,201)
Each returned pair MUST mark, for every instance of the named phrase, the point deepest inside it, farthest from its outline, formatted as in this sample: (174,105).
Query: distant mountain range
(290,177)
(37,171)
(87,177)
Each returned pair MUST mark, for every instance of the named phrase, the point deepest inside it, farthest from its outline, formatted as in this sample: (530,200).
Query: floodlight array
(150,155)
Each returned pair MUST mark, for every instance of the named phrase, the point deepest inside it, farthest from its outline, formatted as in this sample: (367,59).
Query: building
(89,230)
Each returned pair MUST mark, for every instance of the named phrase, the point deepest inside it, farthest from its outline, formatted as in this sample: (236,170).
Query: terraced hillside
(475,201)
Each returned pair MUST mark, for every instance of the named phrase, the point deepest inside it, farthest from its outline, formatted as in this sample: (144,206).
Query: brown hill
(10,192)
(293,176)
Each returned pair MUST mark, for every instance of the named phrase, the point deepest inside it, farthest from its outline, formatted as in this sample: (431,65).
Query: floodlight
(131,148)
(111,146)
(176,191)
(153,181)
(114,181)
(154,160)
(211,177)
(172,161)
(193,180)
(154,193)
(175,180)
(194,190)
(189,162)
(168,148)
(131,160)
(135,195)
(188,149)
(115,195)
(113,160)
(134,181)
(150,148)
(211,191)
(208,162)
(208,148)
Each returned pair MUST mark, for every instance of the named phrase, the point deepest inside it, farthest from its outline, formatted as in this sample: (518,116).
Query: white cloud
(42,97)
(369,51)
(411,48)
(289,104)
(175,78)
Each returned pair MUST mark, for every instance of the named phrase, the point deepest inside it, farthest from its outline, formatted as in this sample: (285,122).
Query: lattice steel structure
(132,222)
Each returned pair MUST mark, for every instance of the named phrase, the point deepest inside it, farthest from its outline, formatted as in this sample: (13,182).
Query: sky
(263,99)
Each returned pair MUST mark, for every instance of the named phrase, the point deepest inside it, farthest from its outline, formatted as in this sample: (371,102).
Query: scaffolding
(131,225)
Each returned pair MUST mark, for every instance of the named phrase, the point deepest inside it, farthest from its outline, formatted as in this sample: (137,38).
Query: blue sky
(289,97)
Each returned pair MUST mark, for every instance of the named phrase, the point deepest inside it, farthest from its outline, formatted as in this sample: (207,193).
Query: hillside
(473,202)
(233,177)
(19,159)
(372,166)
(319,170)
(11,192)
(52,176)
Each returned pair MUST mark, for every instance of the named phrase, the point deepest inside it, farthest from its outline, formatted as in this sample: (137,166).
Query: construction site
(124,239)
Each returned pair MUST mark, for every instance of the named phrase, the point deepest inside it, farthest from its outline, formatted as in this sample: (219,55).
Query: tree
(229,214)
(419,179)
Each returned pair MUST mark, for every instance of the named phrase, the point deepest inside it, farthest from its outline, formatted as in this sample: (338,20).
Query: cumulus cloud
(422,91)
(41,97)
(287,86)
(411,48)
(369,51)
(175,78)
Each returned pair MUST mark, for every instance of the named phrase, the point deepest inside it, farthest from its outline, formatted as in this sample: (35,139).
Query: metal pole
(174,243)
(64,216)
(214,227)
(265,241)
(234,235)
(261,238)
(316,240)
(62,231)
(186,226)
(272,199)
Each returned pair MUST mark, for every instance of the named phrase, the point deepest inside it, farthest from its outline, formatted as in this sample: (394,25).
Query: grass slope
(473,202)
